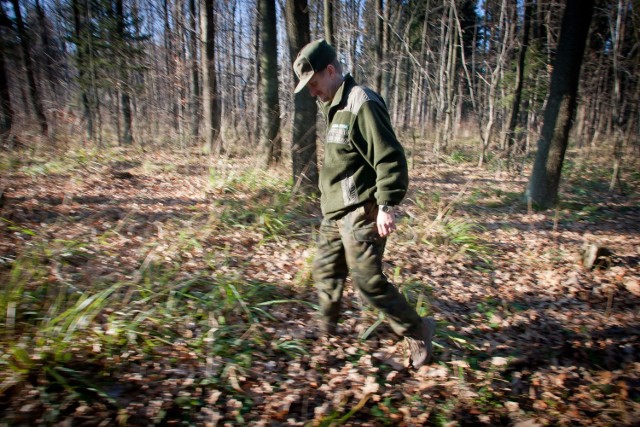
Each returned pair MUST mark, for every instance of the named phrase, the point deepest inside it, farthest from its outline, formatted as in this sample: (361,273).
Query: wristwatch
(386,208)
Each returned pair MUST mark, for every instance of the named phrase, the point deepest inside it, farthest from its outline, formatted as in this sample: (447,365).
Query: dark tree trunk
(87,111)
(270,137)
(210,102)
(303,145)
(517,96)
(561,104)
(48,47)
(6,120)
(170,68)
(328,22)
(34,93)
(125,98)
(195,77)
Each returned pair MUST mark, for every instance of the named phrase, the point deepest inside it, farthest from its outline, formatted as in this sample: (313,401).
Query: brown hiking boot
(421,346)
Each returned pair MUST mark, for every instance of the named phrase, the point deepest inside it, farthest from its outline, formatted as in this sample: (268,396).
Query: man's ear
(331,69)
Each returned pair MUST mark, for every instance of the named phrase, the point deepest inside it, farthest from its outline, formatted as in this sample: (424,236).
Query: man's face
(322,85)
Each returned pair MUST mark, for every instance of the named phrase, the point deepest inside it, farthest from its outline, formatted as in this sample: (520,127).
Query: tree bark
(258,81)
(194,98)
(270,137)
(492,85)
(123,87)
(6,121)
(329,35)
(352,11)
(510,134)
(170,67)
(617,116)
(303,144)
(82,61)
(385,59)
(49,67)
(211,104)
(379,53)
(545,177)
(34,93)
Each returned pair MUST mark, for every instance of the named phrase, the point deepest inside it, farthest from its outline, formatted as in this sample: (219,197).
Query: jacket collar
(347,83)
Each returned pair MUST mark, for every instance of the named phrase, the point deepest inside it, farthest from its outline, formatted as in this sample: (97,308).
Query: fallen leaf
(499,361)
(633,286)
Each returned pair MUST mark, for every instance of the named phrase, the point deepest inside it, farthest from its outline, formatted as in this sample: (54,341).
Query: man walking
(363,177)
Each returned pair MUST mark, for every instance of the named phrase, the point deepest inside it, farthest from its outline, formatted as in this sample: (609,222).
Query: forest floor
(172,289)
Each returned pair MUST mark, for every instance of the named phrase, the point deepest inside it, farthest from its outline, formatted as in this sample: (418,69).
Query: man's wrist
(385,208)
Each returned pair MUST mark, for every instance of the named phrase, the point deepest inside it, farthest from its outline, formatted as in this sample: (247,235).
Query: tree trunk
(34,93)
(49,66)
(440,106)
(81,57)
(270,138)
(492,86)
(329,35)
(617,116)
(210,102)
(6,121)
(353,18)
(194,98)
(258,80)
(303,145)
(125,99)
(379,57)
(233,75)
(172,104)
(545,177)
(452,65)
(517,96)
(385,59)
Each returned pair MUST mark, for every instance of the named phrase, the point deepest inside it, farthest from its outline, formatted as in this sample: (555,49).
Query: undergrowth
(73,334)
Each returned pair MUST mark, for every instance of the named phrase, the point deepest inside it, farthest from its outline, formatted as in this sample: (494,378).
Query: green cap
(312,58)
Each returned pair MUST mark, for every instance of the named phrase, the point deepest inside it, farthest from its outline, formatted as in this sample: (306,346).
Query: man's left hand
(386,223)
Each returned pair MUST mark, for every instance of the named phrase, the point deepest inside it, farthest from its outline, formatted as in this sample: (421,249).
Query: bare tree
(379,38)
(6,121)
(303,144)
(617,33)
(172,102)
(491,77)
(270,136)
(50,51)
(212,117)
(85,72)
(510,133)
(34,93)
(445,69)
(125,99)
(561,104)
(194,99)
(329,34)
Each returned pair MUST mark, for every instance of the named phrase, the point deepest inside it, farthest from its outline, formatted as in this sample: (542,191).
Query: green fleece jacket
(363,159)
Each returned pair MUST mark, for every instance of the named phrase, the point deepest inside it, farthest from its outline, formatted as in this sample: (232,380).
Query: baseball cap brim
(303,82)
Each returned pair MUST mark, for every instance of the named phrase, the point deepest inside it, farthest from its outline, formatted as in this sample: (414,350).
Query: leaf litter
(214,324)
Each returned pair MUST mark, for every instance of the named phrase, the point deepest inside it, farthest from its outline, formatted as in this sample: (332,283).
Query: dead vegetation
(176,290)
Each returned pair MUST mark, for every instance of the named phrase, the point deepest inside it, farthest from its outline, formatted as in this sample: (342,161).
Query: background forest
(184,73)
(158,211)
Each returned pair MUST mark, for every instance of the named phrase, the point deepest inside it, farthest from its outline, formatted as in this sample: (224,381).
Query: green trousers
(352,243)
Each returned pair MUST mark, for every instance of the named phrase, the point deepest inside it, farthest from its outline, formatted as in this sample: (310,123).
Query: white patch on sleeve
(349,192)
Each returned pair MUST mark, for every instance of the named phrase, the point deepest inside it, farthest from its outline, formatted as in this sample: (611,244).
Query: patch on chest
(338,134)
